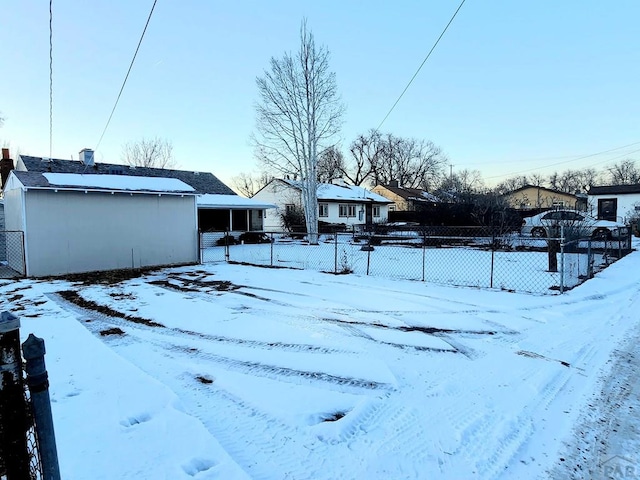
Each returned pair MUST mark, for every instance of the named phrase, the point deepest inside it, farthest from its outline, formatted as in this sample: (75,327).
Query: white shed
(619,203)
(76,223)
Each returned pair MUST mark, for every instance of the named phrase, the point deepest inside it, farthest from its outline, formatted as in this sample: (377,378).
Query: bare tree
(364,152)
(624,173)
(1,120)
(298,113)
(512,183)
(154,153)
(247,184)
(413,163)
(330,164)
(462,186)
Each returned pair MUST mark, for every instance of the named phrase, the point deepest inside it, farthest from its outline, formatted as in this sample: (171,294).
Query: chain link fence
(461,256)
(12,260)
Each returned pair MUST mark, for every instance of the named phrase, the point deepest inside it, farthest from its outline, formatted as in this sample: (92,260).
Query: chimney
(86,157)
(6,165)
(339,182)
(393,183)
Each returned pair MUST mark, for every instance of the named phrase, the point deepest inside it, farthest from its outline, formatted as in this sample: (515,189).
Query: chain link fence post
(493,255)
(272,240)
(38,383)
(561,259)
(13,407)
(335,251)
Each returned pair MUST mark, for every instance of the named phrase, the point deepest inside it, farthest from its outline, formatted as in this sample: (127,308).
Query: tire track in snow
(97,320)
(492,451)
(92,315)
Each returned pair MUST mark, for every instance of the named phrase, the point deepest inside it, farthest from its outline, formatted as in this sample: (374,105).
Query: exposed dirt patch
(526,353)
(110,277)
(76,299)
(15,298)
(334,417)
(112,331)
(408,328)
(195,285)
(122,296)
(205,380)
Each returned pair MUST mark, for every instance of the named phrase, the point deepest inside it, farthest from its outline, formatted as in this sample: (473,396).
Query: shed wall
(74,232)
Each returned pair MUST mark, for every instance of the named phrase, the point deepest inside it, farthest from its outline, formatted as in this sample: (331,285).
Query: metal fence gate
(12,255)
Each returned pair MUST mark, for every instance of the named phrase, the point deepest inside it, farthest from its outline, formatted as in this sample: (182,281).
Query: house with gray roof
(74,223)
(220,209)
(201,182)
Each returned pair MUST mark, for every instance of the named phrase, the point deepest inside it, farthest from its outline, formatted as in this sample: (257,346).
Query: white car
(574,223)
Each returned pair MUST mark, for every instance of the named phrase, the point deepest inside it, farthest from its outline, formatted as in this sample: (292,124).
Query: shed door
(608,209)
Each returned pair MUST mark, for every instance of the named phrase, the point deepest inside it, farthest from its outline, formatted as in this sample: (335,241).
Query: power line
(128,72)
(421,65)
(569,161)
(50,78)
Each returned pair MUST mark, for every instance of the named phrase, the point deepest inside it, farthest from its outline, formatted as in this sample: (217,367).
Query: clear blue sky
(515,86)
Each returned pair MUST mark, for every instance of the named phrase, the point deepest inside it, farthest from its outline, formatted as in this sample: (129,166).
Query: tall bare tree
(298,113)
(153,152)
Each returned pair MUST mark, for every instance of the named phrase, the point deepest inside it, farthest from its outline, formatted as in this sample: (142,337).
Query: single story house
(338,203)
(405,199)
(219,208)
(533,197)
(615,202)
(75,223)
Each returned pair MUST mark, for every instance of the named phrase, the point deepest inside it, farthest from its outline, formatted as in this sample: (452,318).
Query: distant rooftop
(328,191)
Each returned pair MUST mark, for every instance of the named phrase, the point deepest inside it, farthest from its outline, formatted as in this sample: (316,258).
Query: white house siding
(74,232)
(280,194)
(625,208)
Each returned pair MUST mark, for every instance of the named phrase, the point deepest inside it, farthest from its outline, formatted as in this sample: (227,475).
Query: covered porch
(218,214)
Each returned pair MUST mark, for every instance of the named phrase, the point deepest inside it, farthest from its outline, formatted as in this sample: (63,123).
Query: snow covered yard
(229,371)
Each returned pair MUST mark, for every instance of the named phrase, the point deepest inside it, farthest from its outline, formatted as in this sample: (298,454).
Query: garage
(75,223)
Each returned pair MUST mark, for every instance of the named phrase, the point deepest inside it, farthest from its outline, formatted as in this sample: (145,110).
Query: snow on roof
(328,191)
(231,202)
(117,182)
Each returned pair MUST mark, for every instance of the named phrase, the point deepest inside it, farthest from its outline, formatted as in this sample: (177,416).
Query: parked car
(575,223)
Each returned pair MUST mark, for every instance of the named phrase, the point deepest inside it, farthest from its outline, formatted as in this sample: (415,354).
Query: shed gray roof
(614,189)
(202,182)
(84,182)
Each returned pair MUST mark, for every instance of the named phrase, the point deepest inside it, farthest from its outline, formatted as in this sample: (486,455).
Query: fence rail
(462,256)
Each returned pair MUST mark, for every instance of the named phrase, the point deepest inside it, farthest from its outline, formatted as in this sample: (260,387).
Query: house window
(376,211)
(323,209)
(347,210)
(289,208)
(558,204)
(392,208)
